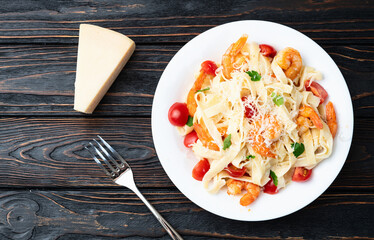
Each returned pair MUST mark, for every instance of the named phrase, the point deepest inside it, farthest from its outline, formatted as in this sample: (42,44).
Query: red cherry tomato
(270,188)
(234,171)
(200,169)
(301,174)
(267,50)
(249,111)
(209,67)
(178,114)
(317,90)
(190,139)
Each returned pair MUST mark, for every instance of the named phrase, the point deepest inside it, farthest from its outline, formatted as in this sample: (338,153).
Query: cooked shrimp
(304,124)
(253,191)
(235,187)
(265,129)
(231,56)
(223,131)
(259,146)
(273,129)
(204,136)
(240,59)
(290,61)
(308,112)
(191,103)
(331,118)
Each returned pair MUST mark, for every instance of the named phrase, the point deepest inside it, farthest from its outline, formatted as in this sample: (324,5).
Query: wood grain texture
(332,22)
(48,152)
(39,80)
(51,189)
(116,214)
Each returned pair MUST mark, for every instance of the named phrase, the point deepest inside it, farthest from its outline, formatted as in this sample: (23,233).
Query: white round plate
(178,161)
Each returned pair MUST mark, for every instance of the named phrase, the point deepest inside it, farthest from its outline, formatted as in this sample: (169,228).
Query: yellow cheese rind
(102,53)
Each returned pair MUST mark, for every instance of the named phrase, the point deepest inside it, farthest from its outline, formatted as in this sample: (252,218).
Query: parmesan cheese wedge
(102,53)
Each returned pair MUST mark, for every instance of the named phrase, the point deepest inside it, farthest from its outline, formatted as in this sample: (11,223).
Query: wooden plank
(110,214)
(329,22)
(48,152)
(39,80)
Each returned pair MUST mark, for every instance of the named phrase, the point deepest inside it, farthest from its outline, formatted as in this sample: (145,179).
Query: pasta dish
(256,120)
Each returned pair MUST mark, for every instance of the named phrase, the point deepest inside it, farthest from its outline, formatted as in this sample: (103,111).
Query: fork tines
(114,163)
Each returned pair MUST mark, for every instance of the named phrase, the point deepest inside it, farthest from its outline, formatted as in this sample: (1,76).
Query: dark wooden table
(51,189)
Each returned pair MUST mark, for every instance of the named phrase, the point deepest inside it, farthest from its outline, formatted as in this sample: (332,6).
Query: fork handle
(169,229)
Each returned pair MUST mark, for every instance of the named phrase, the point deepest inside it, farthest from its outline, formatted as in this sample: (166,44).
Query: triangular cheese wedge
(102,53)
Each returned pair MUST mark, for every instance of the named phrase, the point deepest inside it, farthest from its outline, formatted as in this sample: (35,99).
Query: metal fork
(120,172)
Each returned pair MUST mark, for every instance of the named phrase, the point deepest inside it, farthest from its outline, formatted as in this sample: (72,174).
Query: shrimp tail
(331,119)
(191,102)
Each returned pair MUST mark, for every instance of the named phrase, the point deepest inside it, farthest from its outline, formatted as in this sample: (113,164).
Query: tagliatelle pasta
(257,119)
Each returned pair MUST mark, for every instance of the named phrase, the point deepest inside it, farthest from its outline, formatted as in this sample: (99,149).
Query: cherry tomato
(234,171)
(270,188)
(178,114)
(209,67)
(200,169)
(249,112)
(267,50)
(190,139)
(301,174)
(317,90)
